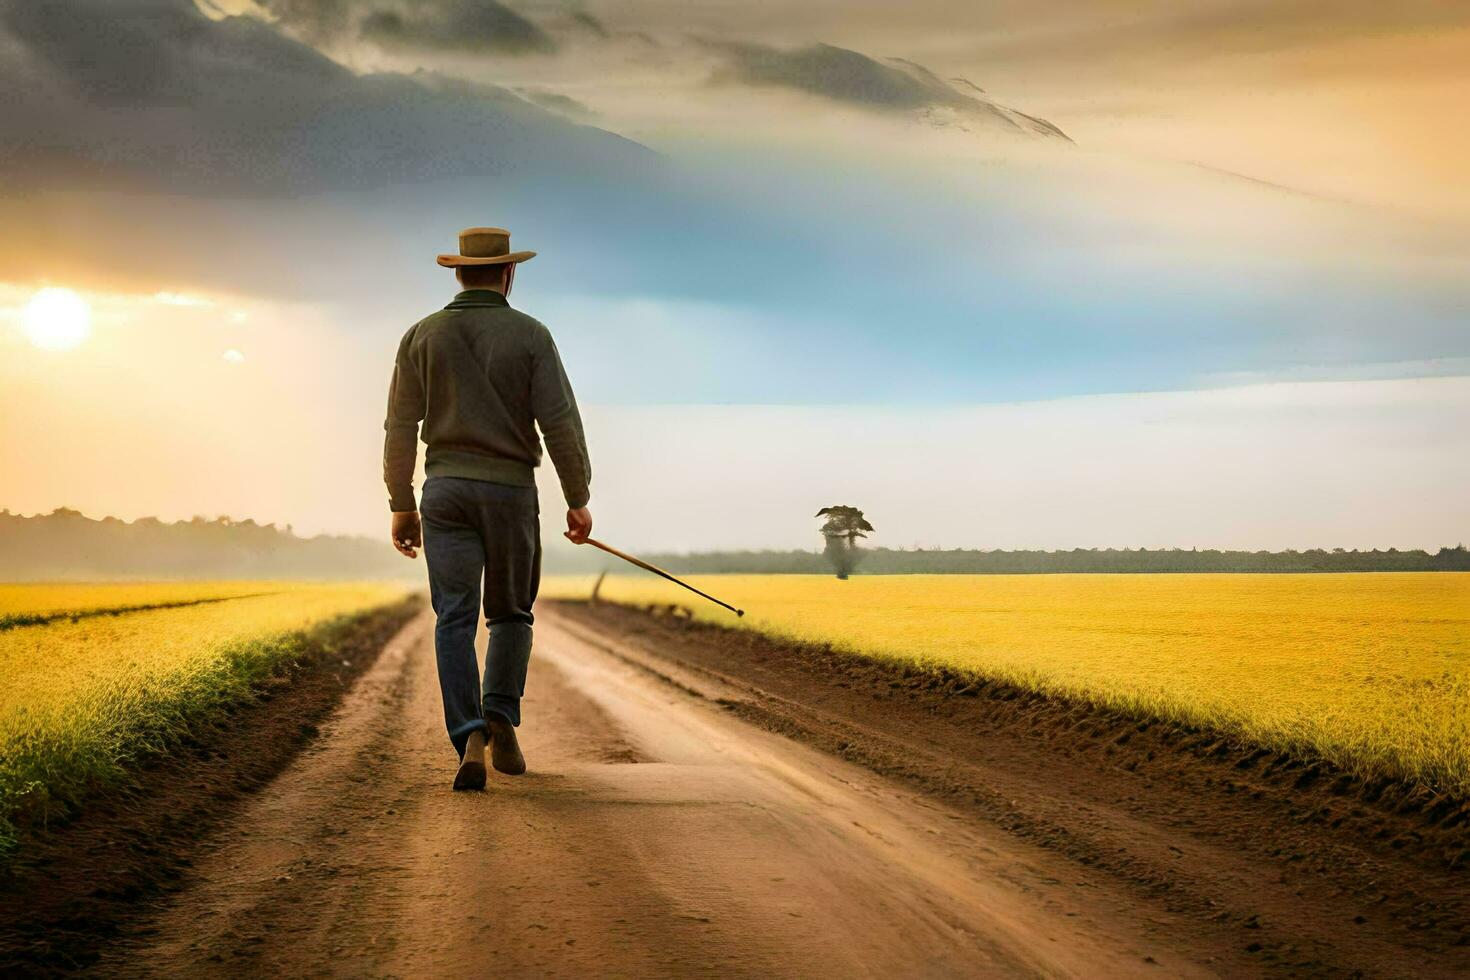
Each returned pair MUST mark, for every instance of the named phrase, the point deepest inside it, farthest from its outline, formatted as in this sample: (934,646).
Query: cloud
(898,86)
(453,25)
(153,94)
(1066,274)
(557,102)
(965,83)
(590,24)
(315,21)
(483,26)
(828,71)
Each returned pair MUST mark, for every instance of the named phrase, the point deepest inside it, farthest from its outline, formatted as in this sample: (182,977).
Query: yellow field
(44,600)
(1371,671)
(79,700)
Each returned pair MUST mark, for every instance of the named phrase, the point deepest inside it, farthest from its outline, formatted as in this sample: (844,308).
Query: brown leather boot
(471,773)
(505,751)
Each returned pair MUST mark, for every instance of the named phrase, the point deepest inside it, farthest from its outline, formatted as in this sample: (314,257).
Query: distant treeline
(959,561)
(66,544)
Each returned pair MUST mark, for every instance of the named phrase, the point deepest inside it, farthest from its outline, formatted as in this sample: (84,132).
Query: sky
(1058,274)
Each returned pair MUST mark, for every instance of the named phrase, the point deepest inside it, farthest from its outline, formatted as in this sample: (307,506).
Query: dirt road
(655,835)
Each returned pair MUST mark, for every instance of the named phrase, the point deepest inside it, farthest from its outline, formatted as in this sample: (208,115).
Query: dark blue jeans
(474,531)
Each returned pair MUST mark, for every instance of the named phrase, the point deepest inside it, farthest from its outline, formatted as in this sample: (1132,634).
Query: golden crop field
(1371,671)
(28,602)
(81,699)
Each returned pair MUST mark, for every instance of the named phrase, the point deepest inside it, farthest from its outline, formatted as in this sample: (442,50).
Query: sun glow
(57,319)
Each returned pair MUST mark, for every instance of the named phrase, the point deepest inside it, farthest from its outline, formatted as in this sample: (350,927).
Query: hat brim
(455,261)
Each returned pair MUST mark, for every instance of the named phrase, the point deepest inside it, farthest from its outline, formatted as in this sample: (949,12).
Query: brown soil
(654,835)
(1305,868)
(75,883)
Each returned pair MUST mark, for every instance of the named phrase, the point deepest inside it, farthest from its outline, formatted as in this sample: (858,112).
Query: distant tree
(843,527)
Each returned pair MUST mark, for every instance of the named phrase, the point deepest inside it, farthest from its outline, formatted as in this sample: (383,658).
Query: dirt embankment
(73,884)
(1308,869)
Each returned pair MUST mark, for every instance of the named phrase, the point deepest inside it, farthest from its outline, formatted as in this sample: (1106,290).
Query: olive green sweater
(481,376)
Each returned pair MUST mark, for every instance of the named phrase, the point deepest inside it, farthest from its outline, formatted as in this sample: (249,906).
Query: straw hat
(483,246)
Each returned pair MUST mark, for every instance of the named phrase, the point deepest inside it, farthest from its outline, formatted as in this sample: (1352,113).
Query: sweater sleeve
(401,428)
(555,408)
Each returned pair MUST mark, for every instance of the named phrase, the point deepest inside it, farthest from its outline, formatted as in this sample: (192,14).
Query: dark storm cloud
(452,25)
(153,94)
(898,86)
(153,53)
(315,21)
(428,25)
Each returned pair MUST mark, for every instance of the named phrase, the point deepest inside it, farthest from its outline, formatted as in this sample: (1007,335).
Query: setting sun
(57,319)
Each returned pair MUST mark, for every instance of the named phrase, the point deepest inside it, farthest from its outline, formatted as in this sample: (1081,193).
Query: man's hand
(579,525)
(408,534)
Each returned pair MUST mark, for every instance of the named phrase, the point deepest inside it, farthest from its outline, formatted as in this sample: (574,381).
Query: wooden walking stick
(658,571)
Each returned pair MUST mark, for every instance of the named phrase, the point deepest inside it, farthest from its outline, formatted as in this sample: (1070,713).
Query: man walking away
(481,377)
